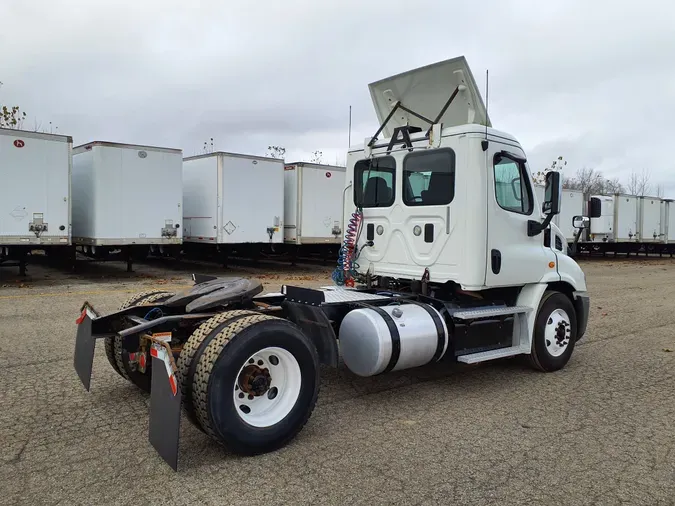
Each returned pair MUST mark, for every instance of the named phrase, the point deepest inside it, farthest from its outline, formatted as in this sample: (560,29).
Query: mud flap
(85,343)
(165,403)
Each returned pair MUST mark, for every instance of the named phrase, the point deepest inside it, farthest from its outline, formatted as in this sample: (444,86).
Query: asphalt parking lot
(601,431)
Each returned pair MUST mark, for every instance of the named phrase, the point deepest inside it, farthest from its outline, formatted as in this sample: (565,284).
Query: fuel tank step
(474,358)
(489,311)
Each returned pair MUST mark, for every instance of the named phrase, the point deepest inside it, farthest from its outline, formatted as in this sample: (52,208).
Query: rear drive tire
(555,332)
(193,349)
(256,384)
(119,358)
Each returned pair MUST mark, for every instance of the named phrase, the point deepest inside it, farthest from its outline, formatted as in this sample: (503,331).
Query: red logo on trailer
(328,174)
(19,143)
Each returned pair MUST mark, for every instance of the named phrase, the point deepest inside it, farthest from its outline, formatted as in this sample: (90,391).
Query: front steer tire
(267,344)
(555,332)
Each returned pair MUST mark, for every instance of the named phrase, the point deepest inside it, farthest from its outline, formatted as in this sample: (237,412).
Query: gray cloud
(591,81)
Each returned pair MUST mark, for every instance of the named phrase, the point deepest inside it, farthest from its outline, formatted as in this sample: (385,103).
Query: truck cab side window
(512,188)
(374,182)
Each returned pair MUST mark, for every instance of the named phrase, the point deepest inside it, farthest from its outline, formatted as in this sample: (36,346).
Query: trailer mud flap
(165,404)
(85,343)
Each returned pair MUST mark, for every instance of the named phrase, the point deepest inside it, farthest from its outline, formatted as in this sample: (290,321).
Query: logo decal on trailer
(328,174)
(19,143)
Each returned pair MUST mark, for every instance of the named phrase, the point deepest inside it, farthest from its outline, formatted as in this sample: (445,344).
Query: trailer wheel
(555,332)
(192,350)
(113,345)
(256,384)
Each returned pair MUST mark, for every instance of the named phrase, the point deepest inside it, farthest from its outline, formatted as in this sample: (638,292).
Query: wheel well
(563,287)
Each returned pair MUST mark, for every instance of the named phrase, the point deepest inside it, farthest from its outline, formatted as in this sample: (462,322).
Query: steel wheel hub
(558,332)
(267,387)
(254,380)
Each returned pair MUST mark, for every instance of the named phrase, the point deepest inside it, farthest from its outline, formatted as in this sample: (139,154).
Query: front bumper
(582,305)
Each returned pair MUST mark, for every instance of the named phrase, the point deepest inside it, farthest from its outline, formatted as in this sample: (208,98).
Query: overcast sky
(592,81)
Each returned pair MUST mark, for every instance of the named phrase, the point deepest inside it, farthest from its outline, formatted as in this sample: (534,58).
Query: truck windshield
(374,182)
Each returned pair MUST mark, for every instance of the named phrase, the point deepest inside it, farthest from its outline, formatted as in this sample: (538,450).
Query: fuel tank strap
(393,332)
(440,332)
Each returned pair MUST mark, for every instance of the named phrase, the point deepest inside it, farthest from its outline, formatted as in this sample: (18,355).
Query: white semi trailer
(313,209)
(444,258)
(232,202)
(628,224)
(126,198)
(35,207)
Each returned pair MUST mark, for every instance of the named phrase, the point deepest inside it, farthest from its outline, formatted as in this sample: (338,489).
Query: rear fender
(316,325)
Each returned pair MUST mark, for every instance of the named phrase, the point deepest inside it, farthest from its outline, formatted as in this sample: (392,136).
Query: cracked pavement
(599,432)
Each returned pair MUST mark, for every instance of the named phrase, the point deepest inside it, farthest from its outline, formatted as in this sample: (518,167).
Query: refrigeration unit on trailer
(35,202)
(649,225)
(313,204)
(233,200)
(445,258)
(602,223)
(127,198)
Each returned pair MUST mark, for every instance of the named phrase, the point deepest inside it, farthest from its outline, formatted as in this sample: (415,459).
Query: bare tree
(276,151)
(587,180)
(540,176)
(638,183)
(659,191)
(613,186)
(317,157)
(593,182)
(208,147)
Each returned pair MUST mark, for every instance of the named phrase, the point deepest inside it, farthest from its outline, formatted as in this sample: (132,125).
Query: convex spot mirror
(552,194)
(581,222)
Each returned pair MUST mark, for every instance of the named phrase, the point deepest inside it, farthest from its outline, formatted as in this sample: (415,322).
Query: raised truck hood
(425,91)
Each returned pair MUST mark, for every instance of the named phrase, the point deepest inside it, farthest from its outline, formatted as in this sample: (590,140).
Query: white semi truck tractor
(448,256)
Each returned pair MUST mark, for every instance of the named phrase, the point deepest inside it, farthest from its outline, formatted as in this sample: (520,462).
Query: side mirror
(552,193)
(581,222)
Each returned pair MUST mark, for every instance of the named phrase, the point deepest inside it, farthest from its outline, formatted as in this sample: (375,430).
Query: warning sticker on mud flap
(161,351)
(162,336)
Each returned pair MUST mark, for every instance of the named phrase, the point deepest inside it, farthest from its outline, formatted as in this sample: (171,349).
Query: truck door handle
(496,261)
(370,232)
(429,232)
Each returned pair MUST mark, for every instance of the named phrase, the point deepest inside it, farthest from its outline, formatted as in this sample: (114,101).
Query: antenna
(349,142)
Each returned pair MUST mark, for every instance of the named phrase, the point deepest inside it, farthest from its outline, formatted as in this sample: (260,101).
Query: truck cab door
(513,257)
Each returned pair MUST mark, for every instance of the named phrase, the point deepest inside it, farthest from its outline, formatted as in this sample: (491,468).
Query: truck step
(488,311)
(483,356)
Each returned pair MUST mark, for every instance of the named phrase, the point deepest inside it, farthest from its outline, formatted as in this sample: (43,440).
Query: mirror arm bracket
(535,228)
